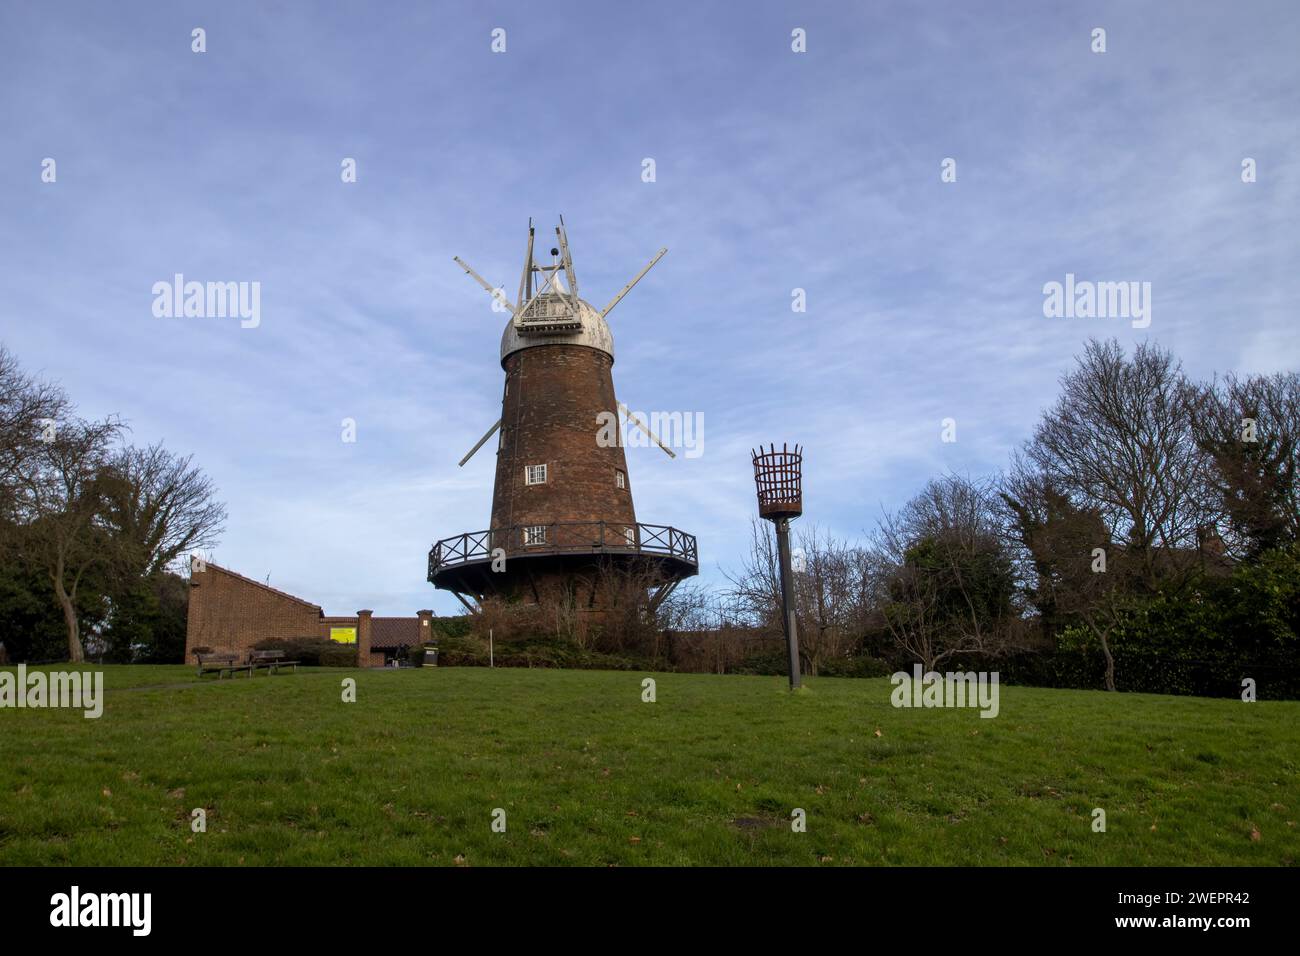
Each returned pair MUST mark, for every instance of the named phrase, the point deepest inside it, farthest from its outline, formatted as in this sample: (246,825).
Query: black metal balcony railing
(564,537)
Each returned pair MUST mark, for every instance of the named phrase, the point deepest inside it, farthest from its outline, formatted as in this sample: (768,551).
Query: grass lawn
(589,774)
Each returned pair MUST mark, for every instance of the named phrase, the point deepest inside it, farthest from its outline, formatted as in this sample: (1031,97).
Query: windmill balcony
(456,562)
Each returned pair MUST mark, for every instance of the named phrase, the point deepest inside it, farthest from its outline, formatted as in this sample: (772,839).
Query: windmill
(562,508)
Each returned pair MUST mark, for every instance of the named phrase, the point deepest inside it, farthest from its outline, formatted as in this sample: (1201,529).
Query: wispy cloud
(775,171)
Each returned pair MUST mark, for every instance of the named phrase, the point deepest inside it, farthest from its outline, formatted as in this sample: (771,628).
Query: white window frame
(531,470)
(620,478)
(629,535)
(534,535)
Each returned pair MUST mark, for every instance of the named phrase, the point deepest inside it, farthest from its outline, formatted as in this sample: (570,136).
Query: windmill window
(629,535)
(535,475)
(534,534)
(620,479)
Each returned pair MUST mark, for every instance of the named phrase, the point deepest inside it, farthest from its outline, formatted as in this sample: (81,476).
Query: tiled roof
(394,631)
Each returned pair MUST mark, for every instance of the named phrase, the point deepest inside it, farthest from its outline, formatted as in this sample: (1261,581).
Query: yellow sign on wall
(343,635)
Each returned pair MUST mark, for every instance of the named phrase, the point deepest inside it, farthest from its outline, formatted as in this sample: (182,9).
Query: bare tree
(756,585)
(29,410)
(948,583)
(834,587)
(639,604)
(704,631)
(160,507)
(1119,441)
(689,607)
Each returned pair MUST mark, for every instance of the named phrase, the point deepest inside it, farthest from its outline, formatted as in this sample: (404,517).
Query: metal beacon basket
(778,475)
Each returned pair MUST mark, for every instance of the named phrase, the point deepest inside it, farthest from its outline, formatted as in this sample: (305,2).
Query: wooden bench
(223,664)
(271,660)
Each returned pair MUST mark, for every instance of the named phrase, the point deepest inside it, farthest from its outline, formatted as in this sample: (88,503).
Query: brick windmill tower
(562,511)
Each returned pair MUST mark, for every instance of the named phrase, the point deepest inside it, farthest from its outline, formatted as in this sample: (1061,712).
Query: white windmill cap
(594,332)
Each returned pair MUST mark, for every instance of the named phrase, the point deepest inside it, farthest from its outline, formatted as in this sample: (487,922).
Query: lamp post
(778,476)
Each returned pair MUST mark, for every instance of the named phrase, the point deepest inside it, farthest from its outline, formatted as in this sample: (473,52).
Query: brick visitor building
(230,613)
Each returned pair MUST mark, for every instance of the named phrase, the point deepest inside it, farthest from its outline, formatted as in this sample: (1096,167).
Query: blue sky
(775,170)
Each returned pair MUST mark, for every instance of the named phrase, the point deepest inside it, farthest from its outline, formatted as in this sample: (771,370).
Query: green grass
(588,774)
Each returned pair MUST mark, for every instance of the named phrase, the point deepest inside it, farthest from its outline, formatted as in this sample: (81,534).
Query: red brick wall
(230,613)
(549,412)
